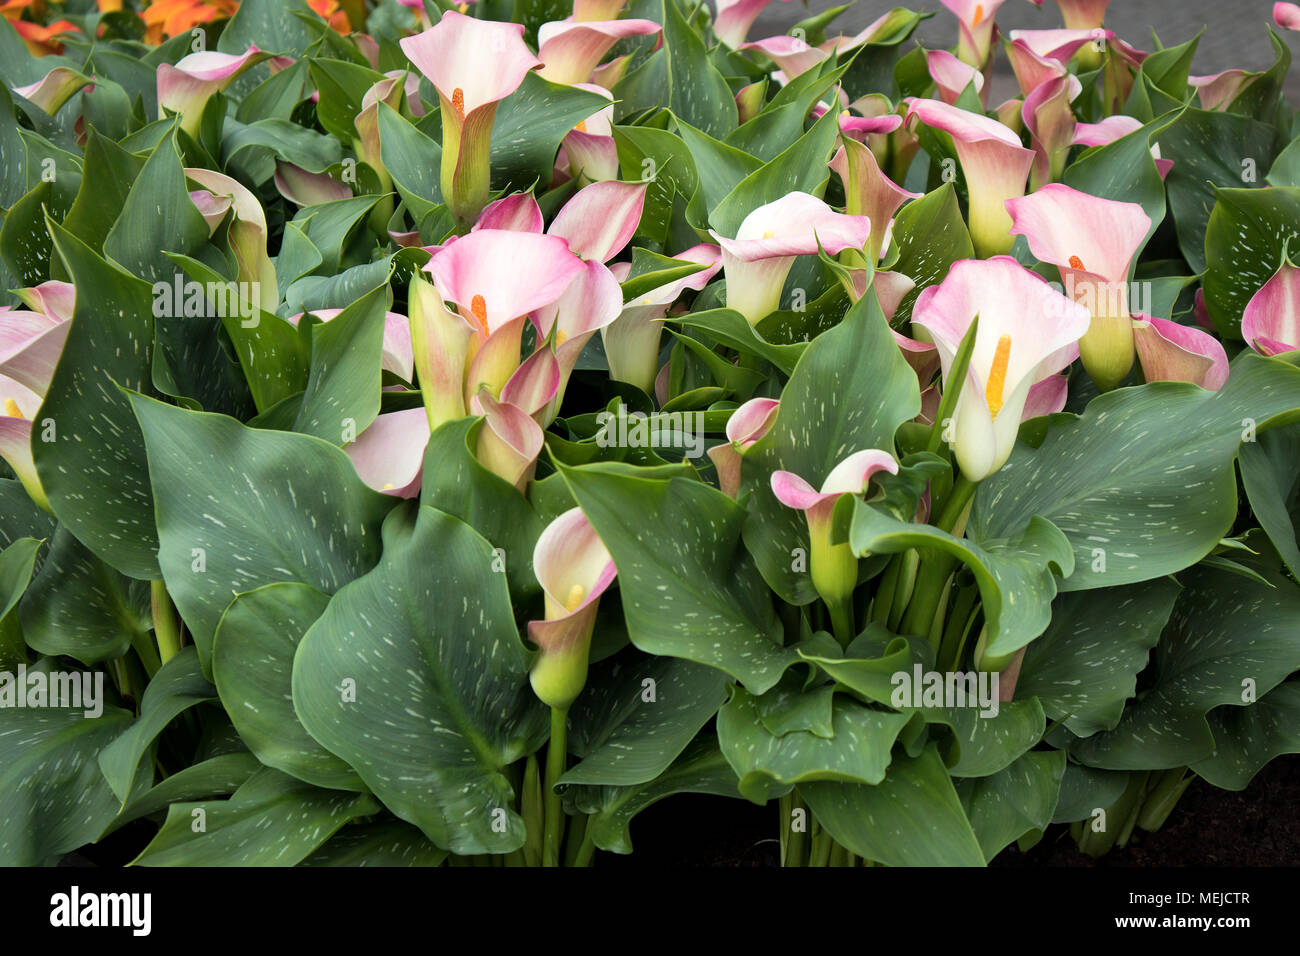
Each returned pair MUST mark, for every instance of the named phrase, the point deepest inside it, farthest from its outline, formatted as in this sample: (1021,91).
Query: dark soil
(1259,826)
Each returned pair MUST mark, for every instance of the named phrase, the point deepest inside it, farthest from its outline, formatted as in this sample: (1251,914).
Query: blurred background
(1235,34)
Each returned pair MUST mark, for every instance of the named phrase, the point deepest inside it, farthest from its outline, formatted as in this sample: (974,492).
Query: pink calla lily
(591,302)
(1106,131)
(758,259)
(833,567)
(247,235)
(585,10)
(509,441)
(517,212)
(632,340)
(1046,397)
(1287,15)
(571,49)
(1218,90)
(303,188)
(747,425)
(600,219)
(574,569)
(589,151)
(792,55)
(1093,243)
(473,64)
(1027,332)
(389,454)
(994,163)
(1081,14)
(734,19)
(1170,352)
(975,21)
(534,385)
(54,89)
(187,86)
(54,299)
(868,191)
(1050,121)
(1271,321)
(951,75)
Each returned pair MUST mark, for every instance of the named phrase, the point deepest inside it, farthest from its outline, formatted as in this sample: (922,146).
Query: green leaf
(695,90)
(270,24)
(442,703)
(345,376)
(730,328)
(700,769)
(52,796)
(1270,471)
(240,507)
(912,818)
(272,820)
(1246,738)
(215,776)
(1142,483)
(1013,802)
(768,765)
(80,607)
(1229,641)
(252,665)
(384,843)
(689,589)
(800,167)
(1084,667)
(822,420)
(413,160)
(930,235)
(1125,170)
(20,517)
(1244,239)
(621,737)
(1084,790)
(528,128)
(109,345)
(178,686)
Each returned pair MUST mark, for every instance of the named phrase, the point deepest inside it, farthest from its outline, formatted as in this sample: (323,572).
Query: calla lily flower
(187,86)
(517,212)
(1092,242)
(1170,352)
(1218,90)
(745,427)
(632,340)
(1271,322)
(509,441)
(473,64)
(54,89)
(389,455)
(388,91)
(534,385)
(440,344)
(591,302)
(1050,122)
(1046,397)
(570,50)
(735,18)
(585,10)
(758,260)
(992,160)
(868,191)
(574,569)
(600,220)
(18,406)
(308,189)
(1081,14)
(496,278)
(1027,332)
(951,75)
(1039,55)
(53,299)
(975,18)
(1287,16)
(750,100)
(589,151)
(1106,131)
(792,55)
(833,567)
(247,234)
(398,356)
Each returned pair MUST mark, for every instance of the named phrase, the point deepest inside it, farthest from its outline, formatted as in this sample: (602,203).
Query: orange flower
(41,40)
(331,12)
(168,18)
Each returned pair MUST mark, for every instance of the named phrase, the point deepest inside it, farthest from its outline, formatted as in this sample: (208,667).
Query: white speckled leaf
(1013,802)
(1084,667)
(442,701)
(1246,738)
(1144,478)
(260,506)
(1225,629)
(386,843)
(850,391)
(252,665)
(688,587)
(623,739)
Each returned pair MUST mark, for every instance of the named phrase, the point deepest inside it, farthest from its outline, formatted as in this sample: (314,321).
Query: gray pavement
(1235,34)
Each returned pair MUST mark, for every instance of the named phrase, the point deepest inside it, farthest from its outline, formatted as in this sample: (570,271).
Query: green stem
(842,620)
(588,848)
(165,627)
(839,855)
(577,835)
(554,770)
(531,805)
(884,601)
(794,849)
(954,505)
(821,849)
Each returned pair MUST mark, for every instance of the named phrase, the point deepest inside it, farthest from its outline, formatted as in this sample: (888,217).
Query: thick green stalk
(554,770)
(794,848)
(842,620)
(531,806)
(588,848)
(165,627)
